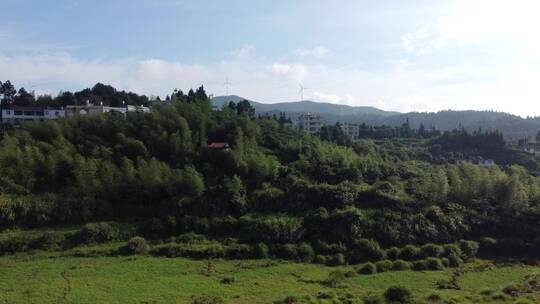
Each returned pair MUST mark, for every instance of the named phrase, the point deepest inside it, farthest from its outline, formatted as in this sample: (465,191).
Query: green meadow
(44,277)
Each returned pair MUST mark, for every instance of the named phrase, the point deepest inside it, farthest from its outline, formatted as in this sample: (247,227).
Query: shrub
(207,300)
(523,301)
(373,299)
(393,253)
(212,251)
(451,249)
(420,265)
(434,264)
(190,237)
(336,260)
(445,262)
(469,249)
(454,260)
(288,300)
(488,246)
(335,278)
(320,259)
(287,251)
(511,289)
(434,297)
(228,280)
(366,250)
(49,241)
(499,296)
(409,253)
(306,252)
(487,292)
(97,233)
(261,250)
(384,266)
(237,251)
(367,268)
(397,294)
(431,250)
(137,245)
(401,265)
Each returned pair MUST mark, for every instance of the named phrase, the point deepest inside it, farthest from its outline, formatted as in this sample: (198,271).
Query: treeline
(99,94)
(276,184)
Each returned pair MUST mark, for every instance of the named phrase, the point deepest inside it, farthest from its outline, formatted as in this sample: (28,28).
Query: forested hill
(512,126)
(276,185)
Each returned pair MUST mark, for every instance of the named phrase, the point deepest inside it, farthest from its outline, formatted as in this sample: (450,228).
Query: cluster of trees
(100,93)
(276,184)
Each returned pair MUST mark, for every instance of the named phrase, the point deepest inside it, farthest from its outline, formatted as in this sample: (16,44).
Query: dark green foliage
(50,241)
(434,264)
(337,259)
(431,250)
(137,245)
(409,253)
(393,253)
(451,249)
(228,280)
(384,266)
(401,265)
(367,268)
(469,249)
(306,252)
(206,300)
(366,250)
(288,300)
(261,250)
(397,294)
(97,233)
(454,260)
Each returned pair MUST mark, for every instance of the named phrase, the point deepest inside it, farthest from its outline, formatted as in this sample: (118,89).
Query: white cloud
(317,52)
(405,87)
(243,53)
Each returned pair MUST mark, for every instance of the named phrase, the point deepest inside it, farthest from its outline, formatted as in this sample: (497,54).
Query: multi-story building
(15,113)
(311,122)
(351,129)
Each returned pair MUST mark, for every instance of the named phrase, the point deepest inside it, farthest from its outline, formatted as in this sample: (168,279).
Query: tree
(8,92)
(24,99)
(244,107)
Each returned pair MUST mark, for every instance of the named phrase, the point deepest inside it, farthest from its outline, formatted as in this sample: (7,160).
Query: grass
(91,274)
(50,278)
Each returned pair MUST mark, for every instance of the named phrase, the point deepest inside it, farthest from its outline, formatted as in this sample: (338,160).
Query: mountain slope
(512,126)
(305,106)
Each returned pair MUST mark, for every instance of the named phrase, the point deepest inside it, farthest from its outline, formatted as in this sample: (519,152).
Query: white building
(310,122)
(16,113)
(532,148)
(351,129)
(93,109)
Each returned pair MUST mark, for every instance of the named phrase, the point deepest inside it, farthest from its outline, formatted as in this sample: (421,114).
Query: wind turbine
(301,91)
(227,84)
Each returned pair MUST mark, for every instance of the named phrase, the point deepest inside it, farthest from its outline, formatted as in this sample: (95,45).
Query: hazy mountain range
(512,126)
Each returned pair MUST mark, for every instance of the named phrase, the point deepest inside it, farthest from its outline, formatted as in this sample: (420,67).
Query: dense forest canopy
(276,184)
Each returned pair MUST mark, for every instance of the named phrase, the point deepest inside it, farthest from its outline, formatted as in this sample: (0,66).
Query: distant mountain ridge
(513,126)
(305,106)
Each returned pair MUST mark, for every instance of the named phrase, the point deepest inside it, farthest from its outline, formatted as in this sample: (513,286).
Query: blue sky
(416,55)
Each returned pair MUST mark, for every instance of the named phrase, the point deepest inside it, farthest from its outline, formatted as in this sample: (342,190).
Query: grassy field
(50,278)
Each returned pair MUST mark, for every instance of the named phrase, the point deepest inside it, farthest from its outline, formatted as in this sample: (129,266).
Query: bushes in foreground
(397,294)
